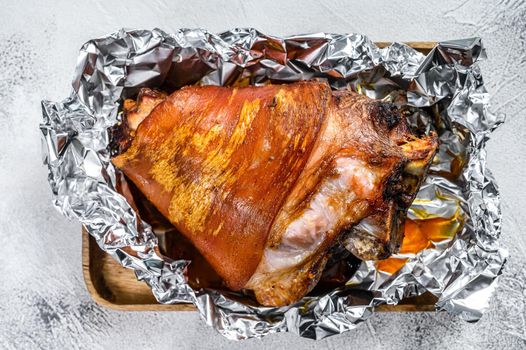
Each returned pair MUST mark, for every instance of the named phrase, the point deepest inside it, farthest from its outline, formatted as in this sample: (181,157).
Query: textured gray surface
(43,300)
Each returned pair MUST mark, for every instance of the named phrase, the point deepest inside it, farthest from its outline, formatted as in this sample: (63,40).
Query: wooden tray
(116,287)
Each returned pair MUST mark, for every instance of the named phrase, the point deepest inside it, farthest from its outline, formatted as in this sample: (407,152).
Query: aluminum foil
(442,91)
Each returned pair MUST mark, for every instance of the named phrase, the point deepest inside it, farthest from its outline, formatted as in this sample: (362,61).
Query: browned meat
(263,180)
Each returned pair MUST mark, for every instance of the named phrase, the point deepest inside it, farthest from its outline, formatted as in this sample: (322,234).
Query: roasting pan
(115,287)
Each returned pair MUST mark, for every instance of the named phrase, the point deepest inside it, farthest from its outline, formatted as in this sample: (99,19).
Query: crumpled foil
(442,91)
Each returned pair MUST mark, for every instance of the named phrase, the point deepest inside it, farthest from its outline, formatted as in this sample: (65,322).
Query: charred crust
(273,103)
(394,186)
(120,138)
(121,134)
(385,114)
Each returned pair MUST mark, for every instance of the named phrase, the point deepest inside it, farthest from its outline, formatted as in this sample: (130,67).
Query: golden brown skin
(219,163)
(263,180)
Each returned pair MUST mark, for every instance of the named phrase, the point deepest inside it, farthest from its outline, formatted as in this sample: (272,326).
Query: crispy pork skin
(265,180)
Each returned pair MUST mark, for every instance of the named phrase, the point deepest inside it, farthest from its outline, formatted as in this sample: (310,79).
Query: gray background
(43,300)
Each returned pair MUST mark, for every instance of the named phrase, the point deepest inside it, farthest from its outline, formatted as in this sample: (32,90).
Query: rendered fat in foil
(457,209)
